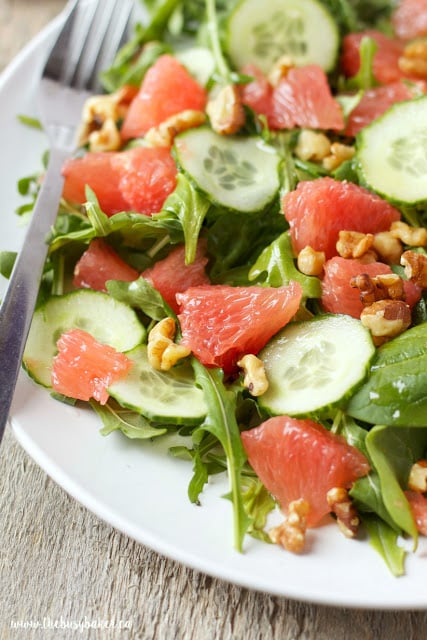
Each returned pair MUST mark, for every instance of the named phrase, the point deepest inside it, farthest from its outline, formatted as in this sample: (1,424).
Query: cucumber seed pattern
(410,155)
(282,34)
(230,171)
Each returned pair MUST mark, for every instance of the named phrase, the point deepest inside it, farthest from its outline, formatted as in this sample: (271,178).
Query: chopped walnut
(226,111)
(164,134)
(255,379)
(311,262)
(415,267)
(388,247)
(280,69)
(418,477)
(100,116)
(290,534)
(386,319)
(339,154)
(312,146)
(341,505)
(163,352)
(412,236)
(353,244)
(381,287)
(414,59)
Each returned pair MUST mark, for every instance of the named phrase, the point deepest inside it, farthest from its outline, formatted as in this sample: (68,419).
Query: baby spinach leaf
(394,393)
(140,294)
(384,539)
(393,451)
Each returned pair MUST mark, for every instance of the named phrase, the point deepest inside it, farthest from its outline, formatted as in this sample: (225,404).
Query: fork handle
(21,295)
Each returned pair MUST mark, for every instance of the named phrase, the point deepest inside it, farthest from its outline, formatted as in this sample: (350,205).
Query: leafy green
(394,392)
(140,294)
(275,267)
(190,207)
(131,424)
(393,451)
(364,78)
(384,539)
(7,260)
(221,423)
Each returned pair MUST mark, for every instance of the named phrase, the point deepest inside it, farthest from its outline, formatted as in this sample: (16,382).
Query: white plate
(141,491)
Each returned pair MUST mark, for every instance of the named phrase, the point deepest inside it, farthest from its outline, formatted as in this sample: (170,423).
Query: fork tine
(98,45)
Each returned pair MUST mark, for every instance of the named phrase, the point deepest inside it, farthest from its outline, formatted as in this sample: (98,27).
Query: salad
(239,259)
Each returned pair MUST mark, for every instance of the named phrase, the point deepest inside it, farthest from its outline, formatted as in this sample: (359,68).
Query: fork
(92,33)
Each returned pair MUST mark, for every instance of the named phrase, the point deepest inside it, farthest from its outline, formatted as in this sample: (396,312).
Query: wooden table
(61,565)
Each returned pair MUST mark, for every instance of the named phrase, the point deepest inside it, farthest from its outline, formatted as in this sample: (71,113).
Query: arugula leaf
(275,266)
(364,78)
(142,295)
(131,424)
(258,504)
(221,423)
(190,207)
(384,539)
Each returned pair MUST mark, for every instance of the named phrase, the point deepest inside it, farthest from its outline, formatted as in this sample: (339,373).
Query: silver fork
(93,31)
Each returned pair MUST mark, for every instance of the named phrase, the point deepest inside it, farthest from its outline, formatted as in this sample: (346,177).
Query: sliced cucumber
(391,153)
(316,364)
(199,61)
(237,173)
(170,397)
(261,32)
(106,319)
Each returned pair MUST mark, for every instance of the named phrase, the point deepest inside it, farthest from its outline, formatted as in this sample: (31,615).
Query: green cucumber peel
(221,422)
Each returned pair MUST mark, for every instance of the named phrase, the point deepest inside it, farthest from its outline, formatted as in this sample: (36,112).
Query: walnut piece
(413,236)
(290,534)
(339,153)
(341,505)
(255,379)
(353,244)
(312,146)
(415,267)
(225,111)
(163,352)
(418,477)
(164,134)
(386,319)
(311,262)
(388,247)
(280,69)
(414,59)
(382,287)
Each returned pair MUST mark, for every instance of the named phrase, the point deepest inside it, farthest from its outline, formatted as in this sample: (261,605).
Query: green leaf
(221,422)
(393,451)
(34,123)
(364,78)
(384,539)
(258,505)
(190,207)
(142,295)
(131,424)
(275,267)
(7,260)
(394,392)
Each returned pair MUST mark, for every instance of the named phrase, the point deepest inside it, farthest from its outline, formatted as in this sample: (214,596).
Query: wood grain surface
(60,566)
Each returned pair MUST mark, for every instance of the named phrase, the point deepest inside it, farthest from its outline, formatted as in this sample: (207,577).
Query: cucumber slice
(199,61)
(107,320)
(260,32)
(391,153)
(237,173)
(163,396)
(316,364)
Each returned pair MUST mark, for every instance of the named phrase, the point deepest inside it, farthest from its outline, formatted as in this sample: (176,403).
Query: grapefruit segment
(339,297)
(317,210)
(138,179)
(167,89)
(220,323)
(84,368)
(172,275)
(100,263)
(410,19)
(301,459)
(386,59)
